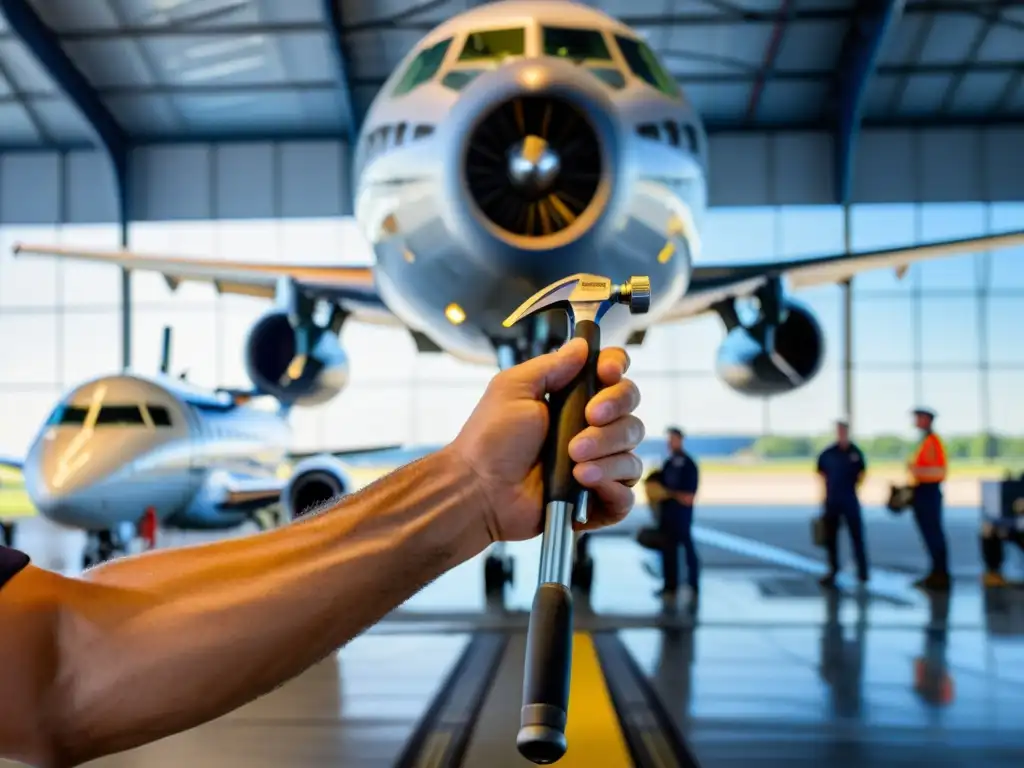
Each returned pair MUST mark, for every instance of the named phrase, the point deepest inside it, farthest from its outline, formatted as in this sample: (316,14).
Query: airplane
(118,446)
(516,144)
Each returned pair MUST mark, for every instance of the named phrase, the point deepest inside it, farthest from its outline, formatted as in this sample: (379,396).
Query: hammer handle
(567,410)
(543,718)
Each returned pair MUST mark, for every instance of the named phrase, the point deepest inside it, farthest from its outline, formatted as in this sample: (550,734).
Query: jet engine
(299,364)
(314,482)
(778,353)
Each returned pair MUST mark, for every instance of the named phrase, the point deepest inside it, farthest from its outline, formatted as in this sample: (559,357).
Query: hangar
(209,127)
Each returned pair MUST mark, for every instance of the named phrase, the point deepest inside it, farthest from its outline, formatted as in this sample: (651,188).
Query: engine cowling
(773,358)
(270,360)
(314,482)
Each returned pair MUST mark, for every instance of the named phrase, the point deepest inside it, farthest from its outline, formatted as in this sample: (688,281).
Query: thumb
(550,372)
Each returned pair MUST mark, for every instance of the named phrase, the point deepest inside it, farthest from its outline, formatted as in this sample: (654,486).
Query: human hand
(503,438)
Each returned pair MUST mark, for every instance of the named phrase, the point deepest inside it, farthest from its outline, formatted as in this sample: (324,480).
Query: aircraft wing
(353,288)
(15,464)
(714,283)
(345,452)
(249,493)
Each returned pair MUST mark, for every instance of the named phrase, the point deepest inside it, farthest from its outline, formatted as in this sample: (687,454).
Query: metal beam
(858,59)
(771,54)
(970,57)
(332,10)
(46,48)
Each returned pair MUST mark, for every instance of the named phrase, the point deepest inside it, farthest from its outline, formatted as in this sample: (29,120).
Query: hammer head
(586,296)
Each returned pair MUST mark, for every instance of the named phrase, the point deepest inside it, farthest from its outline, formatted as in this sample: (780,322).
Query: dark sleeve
(691,479)
(11,563)
(821,461)
(861,461)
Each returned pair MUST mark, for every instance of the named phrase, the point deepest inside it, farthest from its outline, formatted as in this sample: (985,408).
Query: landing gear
(583,566)
(498,571)
(101,546)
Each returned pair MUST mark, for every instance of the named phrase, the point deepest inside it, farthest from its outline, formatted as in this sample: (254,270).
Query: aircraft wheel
(583,574)
(497,573)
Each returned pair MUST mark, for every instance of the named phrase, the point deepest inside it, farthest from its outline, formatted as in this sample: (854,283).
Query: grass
(800,466)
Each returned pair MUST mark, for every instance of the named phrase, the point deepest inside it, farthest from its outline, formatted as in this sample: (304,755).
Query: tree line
(889,447)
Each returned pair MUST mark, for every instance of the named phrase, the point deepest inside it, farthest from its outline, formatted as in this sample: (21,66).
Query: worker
(928,467)
(150,645)
(842,467)
(994,538)
(679,476)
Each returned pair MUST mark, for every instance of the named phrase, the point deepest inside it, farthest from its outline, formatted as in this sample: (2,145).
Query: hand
(502,441)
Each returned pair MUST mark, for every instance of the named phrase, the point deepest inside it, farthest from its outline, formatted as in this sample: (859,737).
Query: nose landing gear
(583,566)
(499,570)
(101,546)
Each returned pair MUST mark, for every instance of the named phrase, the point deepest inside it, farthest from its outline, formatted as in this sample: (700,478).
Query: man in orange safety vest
(928,466)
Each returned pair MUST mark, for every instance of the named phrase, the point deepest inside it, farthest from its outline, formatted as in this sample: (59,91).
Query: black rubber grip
(567,409)
(542,721)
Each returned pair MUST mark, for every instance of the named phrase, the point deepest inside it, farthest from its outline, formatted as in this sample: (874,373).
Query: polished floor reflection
(768,670)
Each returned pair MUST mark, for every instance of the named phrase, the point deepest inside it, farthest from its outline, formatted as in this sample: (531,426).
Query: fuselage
(117,446)
(495,111)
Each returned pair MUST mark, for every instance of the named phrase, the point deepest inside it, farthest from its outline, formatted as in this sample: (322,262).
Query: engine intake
(275,367)
(773,359)
(533,165)
(314,482)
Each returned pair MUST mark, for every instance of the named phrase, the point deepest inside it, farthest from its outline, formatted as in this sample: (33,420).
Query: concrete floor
(769,671)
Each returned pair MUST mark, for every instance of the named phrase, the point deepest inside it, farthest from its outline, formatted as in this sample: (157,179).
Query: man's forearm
(160,643)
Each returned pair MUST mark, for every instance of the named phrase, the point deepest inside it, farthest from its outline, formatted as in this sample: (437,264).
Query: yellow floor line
(593,732)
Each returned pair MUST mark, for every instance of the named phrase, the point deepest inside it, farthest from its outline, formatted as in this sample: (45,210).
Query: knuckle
(636,431)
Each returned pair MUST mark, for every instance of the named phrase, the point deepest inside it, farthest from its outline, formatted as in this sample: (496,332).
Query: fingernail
(582,449)
(590,474)
(603,412)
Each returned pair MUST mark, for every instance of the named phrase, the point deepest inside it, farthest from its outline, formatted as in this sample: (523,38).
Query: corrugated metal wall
(285,180)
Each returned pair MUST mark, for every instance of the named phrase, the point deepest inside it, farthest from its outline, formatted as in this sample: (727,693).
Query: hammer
(586,299)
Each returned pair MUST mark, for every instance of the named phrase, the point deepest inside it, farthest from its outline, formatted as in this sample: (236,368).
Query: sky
(946,336)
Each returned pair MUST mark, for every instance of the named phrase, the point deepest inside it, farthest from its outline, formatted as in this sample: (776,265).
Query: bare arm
(155,644)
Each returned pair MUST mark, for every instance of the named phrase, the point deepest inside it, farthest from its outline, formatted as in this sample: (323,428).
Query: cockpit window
(67,414)
(645,65)
(423,67)
(494,44)
(159,415)
(109,415)
(575,44)
(119,414)
(458,79)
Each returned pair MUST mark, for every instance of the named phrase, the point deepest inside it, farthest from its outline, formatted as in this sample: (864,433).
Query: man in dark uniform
(928,466)
(208,629)
(842,468)
(679,477)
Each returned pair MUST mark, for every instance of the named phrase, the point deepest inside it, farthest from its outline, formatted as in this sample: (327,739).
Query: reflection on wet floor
(768,670)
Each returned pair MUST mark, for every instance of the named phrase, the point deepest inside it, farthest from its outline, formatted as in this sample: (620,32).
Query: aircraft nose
(64,485)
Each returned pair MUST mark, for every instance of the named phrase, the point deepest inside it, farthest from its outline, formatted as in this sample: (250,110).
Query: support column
(847,286)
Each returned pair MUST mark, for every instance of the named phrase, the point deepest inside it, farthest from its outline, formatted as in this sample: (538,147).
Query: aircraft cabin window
(494,44)
(692,140)
(120,415)
(160,415)
(423,67)
(645,65)
(575,44)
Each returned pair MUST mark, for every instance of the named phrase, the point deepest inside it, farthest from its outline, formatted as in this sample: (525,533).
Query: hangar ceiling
(145,71)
